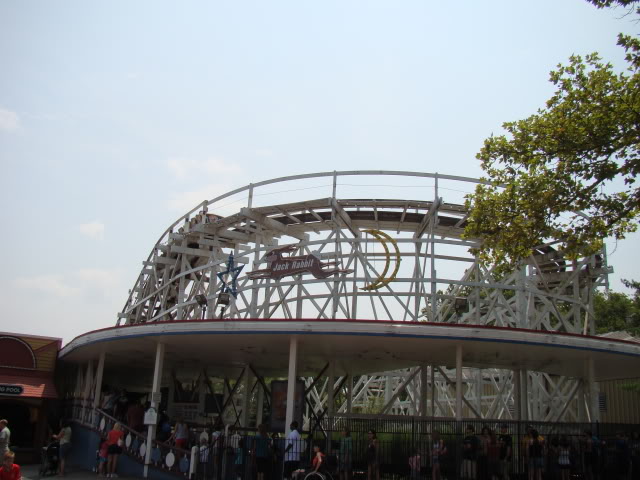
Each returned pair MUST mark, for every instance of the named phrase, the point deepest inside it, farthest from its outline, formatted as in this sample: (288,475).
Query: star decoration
(230,286)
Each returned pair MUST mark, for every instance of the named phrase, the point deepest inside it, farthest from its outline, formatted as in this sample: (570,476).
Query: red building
(28,397)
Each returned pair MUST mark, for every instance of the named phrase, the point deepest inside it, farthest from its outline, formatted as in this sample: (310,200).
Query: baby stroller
(50,457)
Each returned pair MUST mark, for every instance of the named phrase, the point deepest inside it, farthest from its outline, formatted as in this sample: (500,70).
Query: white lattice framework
(439,280)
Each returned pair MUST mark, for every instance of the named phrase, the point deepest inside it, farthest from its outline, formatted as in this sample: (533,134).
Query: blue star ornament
(230,286)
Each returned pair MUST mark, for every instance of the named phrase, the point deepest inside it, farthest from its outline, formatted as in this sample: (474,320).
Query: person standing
(345,463)
(506,451)
(181,434)
(373,457)
(261,451)
(438,450)
(535,451)
(564,459)
(135,416)
(292,450)
(114,440)
(5,437)
(64,440)
(414,464)
(470,446)
(9,470)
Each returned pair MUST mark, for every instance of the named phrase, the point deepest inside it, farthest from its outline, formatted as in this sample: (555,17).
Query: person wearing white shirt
(293,447)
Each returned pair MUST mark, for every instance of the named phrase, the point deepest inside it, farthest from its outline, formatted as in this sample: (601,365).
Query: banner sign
(11,389)
(279,404)
(279,265)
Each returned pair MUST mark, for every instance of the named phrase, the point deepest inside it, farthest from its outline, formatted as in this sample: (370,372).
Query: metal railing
(240,456)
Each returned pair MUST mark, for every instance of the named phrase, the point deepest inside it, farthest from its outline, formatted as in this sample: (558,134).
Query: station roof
(357,346)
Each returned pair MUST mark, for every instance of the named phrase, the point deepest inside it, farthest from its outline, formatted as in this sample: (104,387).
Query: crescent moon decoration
(382,279)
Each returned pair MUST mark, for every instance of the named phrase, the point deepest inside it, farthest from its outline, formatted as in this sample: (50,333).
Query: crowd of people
(495,456)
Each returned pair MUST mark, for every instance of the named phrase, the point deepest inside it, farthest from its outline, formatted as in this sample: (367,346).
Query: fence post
(193,464)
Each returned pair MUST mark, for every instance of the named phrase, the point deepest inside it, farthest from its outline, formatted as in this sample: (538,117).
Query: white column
(86,393)
(97,393)
(155,394)
(291,382)
(388,389)
(524,384)
(434,392)
(350,394)
(459,382)
(260,406)
(517,394)
(332,382)
(202,396)
(244,415)
(594,404)
(582,414)
(88,380)
(479,391)
(423,390)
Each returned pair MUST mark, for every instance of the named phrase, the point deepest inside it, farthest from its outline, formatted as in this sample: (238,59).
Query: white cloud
(191,168)
(8,120)
(53,284)
(93,229)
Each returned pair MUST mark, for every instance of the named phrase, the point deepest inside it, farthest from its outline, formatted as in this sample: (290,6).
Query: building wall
(618,405)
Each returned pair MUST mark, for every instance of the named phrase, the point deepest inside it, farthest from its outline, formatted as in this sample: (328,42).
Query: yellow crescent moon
(382,280)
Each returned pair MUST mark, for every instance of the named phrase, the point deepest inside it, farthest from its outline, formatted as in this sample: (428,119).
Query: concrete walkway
(30,472)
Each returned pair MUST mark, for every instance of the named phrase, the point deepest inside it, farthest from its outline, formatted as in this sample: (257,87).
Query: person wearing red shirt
(10,470)
(114,442)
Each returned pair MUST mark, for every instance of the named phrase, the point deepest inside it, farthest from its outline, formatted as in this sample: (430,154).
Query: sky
(118,117)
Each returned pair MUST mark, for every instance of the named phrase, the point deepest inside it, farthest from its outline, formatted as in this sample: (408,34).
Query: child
(239,460)
(10,470)
(204,458)
(103,453)
(414,464)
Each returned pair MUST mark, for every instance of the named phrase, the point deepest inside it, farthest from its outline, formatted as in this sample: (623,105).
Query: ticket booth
(28,397)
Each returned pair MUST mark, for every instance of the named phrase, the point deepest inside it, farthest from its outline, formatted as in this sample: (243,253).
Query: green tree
(551,176)
(618,311)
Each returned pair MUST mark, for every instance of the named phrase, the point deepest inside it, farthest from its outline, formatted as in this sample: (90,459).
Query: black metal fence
(610,449)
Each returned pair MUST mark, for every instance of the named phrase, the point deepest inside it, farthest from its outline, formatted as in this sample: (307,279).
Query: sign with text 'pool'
(11,389)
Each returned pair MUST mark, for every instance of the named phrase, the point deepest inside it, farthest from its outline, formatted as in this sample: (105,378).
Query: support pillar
(86,393)
(98,390)
(479,388)
(332,381)
(202,395)
(524,396)
(459,382)
(246,386)
(517,394)
(260,406)
(423,390)
(155,402)
(88,380)
(388,389)
(291,382)
(434,392)
(592,385)
(582,414)
(350,394)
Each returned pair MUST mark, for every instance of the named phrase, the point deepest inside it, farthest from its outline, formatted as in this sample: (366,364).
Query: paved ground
(30,472)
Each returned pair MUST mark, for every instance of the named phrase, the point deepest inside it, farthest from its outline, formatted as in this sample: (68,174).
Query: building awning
(29,387)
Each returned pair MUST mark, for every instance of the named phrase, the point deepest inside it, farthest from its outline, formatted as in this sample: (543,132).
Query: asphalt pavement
(31,472)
